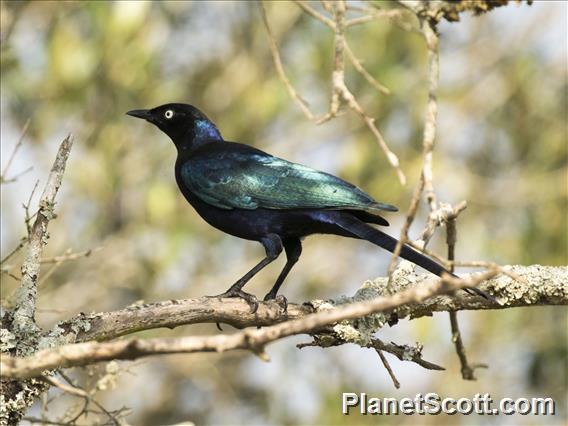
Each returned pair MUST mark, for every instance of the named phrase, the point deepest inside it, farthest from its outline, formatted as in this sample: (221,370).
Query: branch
(340,93)
(26,294)
(3,178)
(255,340)
(544,285)
(450,10)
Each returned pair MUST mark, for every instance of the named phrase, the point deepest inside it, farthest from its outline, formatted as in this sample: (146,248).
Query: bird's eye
(169,114)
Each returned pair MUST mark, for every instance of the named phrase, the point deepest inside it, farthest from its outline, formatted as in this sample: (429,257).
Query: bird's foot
(280,300)
(247,297)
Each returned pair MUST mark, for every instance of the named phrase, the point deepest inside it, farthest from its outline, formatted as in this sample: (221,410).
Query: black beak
(141,113)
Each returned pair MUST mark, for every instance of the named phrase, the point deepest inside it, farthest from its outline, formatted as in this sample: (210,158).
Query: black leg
(273,246)
(293,247)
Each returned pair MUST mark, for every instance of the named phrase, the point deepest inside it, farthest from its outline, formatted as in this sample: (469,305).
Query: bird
(250,194)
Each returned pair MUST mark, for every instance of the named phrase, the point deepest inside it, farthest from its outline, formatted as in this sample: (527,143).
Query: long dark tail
(363,231)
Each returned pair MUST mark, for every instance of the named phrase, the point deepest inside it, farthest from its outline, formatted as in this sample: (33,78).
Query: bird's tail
(363,231)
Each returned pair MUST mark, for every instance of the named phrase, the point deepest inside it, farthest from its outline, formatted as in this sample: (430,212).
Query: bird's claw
(280,300)
(247,297)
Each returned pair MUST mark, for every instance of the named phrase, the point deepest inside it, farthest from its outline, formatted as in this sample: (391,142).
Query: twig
(406,353)
(26,293)
(15,250)
(315,14)
(403,239)
(359,67)
(387,366)
(68,255)
(3,178)
(371,15)
(430,126)
(428,139)
(74,390)
(27,217)
(402,352)
(340,92)
(467,370)
(280,68)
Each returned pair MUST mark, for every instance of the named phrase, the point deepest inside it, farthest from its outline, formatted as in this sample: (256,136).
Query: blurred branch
(359,67)
(340,93)
(429,135)
(280,68)
(3,178)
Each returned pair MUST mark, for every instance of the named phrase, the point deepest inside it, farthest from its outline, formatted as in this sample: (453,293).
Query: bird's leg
(273,246)
(293,249)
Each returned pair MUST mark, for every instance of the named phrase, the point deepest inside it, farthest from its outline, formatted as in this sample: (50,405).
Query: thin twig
(361,69)
(340,93)
(315,14)
(3,178)
(406,353)
(68,255)
(428,139)
(27,217)
(387,366)
(467,370)
(430,126)
(15,250)
(280,68)
(372,14)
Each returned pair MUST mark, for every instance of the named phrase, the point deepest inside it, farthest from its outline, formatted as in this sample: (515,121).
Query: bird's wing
(251,180)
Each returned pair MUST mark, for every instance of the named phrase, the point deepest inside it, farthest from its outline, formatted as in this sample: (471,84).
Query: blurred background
(501,145)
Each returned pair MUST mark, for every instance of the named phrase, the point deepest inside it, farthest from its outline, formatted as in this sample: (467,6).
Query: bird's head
(184,124)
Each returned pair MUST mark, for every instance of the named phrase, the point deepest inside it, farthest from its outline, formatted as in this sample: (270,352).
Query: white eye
(169,114)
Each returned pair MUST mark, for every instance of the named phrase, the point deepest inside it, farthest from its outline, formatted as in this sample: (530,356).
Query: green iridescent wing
(250,180)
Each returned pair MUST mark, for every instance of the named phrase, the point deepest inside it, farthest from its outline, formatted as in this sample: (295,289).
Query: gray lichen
(361,330)
(11,410)
(7,340)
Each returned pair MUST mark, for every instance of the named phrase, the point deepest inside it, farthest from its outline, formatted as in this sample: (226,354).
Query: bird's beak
(141,113)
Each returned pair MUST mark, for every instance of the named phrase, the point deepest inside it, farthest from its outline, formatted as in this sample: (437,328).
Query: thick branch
(542,285)
(545,286)
(251,339)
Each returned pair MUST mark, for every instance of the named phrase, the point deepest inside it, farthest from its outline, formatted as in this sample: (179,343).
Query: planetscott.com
(432,403)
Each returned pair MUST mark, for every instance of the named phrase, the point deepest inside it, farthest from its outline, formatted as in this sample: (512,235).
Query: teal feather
(231,180)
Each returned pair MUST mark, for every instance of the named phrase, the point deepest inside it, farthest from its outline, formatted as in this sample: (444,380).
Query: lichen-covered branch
(542,285)
(23,322)
(254,340)
(20,334)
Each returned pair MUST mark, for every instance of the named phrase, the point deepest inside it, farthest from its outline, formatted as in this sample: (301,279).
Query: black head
(183,123)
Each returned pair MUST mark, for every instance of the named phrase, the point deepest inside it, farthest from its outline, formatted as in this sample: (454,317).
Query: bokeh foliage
(502,145)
